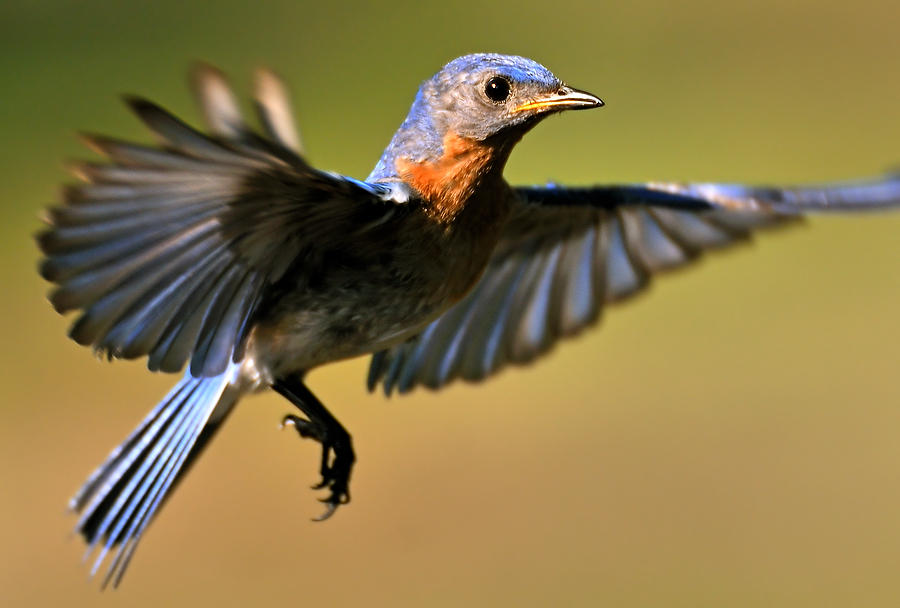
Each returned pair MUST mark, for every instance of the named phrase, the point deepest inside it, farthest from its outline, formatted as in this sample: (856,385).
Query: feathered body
(372,289)
(375,281)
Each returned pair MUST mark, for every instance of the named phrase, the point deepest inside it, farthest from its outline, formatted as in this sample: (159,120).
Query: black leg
(320,425)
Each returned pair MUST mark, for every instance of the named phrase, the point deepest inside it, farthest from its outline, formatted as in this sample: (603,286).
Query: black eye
(497,89)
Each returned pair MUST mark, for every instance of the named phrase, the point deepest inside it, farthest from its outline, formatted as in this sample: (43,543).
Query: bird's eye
(497,89)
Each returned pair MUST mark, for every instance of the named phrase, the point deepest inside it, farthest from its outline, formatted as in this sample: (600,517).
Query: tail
(120,498)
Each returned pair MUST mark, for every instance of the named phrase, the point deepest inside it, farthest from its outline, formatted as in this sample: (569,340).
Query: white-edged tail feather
(119,499)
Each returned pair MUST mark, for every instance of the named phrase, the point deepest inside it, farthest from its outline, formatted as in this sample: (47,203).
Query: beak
(566,98)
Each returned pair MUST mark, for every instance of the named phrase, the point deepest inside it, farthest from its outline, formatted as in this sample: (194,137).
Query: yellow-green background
(731,439)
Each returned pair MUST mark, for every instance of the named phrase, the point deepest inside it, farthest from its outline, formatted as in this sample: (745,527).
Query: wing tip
(95,142)
(202,71)
(139,105)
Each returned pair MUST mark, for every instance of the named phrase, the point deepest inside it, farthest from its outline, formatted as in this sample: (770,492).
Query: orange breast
(448,183)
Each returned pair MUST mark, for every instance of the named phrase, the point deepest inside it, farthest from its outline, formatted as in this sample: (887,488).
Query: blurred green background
(730,439)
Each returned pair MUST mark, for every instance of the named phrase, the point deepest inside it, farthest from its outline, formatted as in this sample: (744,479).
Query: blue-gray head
(483,97)
(480,95)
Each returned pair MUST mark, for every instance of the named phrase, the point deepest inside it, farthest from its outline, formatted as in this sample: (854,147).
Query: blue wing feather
(208,221)
(540,287)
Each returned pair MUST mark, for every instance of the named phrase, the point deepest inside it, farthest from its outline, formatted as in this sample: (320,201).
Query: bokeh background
(730,439)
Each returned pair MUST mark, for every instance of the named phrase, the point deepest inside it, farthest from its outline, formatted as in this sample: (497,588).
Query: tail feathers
(119,499)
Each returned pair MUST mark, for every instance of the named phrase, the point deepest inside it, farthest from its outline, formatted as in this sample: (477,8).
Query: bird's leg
(320,425)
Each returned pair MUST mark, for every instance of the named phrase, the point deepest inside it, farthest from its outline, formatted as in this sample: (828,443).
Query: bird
(224,255)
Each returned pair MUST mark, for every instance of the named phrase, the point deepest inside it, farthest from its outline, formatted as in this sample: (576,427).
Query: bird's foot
(337,460)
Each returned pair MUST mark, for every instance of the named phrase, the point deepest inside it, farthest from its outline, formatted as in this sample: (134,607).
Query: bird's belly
(351,317)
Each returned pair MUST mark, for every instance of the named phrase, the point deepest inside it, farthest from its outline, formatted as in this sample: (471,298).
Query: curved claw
(329,511)
(338,457)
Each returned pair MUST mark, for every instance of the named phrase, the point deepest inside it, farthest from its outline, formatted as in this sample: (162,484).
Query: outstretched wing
(566,252)
(168,249)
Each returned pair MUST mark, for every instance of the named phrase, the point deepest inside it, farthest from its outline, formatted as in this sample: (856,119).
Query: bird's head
(484,95)
(466,119)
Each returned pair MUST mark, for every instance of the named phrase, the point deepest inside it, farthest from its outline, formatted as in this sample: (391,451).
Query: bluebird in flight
(226,253)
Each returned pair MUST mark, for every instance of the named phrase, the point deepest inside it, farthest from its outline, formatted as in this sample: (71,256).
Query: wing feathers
(117,300)
(168,250)
(221,331)
(86,287)
(129,154)
(567,251)
(180,336)
(484,348)
(218,104)
(625,275)
(188,140)
(582,290)
(274,109)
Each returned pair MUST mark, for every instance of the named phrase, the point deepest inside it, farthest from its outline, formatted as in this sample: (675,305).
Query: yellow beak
(566,98)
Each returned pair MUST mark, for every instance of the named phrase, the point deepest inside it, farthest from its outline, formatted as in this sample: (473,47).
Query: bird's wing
(566,252)
(167,249)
